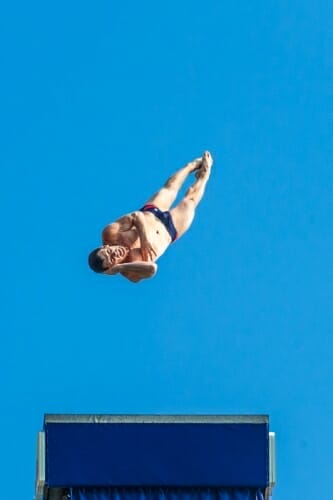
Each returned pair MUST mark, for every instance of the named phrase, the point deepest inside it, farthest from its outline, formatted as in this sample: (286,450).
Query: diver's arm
(147,251)
(111,232)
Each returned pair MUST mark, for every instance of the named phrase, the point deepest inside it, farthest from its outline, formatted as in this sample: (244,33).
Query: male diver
(132,244)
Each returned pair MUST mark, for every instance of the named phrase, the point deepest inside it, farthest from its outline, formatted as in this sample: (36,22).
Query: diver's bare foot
(207,159)
(206,163)
(195,165)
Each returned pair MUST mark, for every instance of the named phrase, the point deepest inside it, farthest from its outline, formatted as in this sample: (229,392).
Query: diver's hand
(147,251)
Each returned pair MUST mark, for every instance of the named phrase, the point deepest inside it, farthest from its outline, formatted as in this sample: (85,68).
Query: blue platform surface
(166,494)
(102,451)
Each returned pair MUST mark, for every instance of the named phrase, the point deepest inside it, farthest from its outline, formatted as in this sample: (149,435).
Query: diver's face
(106,253)
(112,255)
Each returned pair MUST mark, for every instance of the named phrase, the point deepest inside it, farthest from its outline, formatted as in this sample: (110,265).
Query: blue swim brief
(164,217)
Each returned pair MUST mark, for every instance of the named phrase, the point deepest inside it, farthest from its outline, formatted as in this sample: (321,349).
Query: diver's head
(103,258)
(96,261)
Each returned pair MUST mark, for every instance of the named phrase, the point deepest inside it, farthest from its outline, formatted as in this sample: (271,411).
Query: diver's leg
(164,198)
(183,214)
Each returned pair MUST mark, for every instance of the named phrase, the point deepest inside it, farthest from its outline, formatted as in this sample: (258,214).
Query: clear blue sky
(100,103)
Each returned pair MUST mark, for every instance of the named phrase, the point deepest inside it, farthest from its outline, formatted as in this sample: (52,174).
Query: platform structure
(155,457)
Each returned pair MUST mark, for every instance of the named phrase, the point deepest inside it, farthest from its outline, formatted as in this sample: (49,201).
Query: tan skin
(142,238)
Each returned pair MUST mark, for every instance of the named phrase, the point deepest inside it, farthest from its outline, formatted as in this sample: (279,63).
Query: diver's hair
(95,261)
(117,254)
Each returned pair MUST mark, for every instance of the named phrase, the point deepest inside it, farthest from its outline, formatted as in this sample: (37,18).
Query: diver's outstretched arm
(135,271)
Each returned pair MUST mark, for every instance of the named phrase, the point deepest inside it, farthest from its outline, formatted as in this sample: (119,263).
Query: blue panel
(166,494)
(80,454)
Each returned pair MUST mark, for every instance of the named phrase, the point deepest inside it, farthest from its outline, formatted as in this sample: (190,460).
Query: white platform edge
(156,419)
(272,464)
(40,473)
